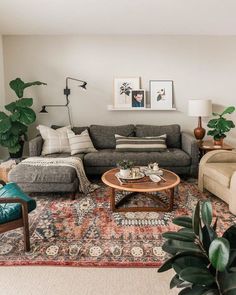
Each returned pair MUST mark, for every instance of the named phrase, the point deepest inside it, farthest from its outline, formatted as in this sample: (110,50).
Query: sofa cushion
(103,137)
(80,143)
(220,172)
(55,141)
(109,158)
(140,144)
(172,132)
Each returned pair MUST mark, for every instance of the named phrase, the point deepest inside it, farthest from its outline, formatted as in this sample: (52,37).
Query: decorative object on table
(5,168)
(14,126)
(122,91)
(134,241)
(125,168)
(15,206)
(203,260)
(208,146)
(217,174)
(161,94)
(219,126)
(138,98)
(67,93)
(155,178)
(139,144)
(199,108)
(145,187)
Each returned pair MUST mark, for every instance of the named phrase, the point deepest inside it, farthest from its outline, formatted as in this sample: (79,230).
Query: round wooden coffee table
(145,186)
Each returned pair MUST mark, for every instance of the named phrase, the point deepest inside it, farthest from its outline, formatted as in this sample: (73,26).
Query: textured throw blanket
(85,185)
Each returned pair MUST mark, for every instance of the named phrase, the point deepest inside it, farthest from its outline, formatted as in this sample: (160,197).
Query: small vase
(125,173)
(219,142)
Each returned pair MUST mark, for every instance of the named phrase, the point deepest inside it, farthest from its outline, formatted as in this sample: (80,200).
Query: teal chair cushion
(12,211)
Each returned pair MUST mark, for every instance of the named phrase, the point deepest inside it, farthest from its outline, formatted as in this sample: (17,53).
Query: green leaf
(27,116)
(15,116)
(5,123)
(168,263)
(189,261)
(228,283)
(206,212)
(230,235)
(208,235)
(196,219)
(175,282)
(14,149)
(11,107)
(184,221)
(174,246)
(199,290)
(180,236)
(197,275)
(219,253)
(18,86)
(228,110)
(24,102)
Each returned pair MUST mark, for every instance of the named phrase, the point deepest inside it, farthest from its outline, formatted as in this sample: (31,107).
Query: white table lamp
(199,108)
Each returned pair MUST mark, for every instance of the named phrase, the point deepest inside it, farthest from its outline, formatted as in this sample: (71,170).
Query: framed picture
(161,94)
(138,98)
(122,91)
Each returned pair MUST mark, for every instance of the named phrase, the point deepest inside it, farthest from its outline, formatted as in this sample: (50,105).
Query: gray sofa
(180,157)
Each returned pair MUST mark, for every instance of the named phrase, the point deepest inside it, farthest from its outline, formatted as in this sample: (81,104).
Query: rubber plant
(204,263)
(14,123)
(219,126)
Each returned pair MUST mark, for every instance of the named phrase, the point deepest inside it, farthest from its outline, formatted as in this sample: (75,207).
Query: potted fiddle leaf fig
(204,262)
(219,126)
(14,123)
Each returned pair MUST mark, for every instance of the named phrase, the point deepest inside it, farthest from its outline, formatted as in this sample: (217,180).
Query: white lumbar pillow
(55,141)
(80,143)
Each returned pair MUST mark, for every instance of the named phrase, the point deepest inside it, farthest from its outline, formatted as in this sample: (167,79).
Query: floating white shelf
(113,108)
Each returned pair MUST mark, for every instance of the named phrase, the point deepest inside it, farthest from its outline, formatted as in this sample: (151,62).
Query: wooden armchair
(14,209)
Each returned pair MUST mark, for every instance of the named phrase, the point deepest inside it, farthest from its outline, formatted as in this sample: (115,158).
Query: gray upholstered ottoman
(45,179)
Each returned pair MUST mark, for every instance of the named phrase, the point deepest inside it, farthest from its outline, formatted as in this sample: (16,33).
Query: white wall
(201,68)
(3,151)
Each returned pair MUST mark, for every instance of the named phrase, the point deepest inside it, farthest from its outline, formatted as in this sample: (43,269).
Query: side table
(208,145)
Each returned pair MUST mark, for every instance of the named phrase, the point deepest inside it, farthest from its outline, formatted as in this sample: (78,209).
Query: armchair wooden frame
(22,222)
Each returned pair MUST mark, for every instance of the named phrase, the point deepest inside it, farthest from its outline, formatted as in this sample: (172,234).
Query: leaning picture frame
(138,98)
(122,91)
(161,94)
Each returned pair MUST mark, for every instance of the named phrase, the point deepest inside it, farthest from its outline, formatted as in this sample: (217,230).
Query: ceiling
(177,17)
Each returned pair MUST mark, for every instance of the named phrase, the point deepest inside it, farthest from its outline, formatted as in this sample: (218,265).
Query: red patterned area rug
(85,232)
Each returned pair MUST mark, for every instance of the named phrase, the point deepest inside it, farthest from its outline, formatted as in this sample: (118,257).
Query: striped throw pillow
(80,143)
(140,144)
(54,141)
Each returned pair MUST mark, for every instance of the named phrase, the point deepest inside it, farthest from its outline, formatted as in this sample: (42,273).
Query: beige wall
(3,151)
(201,68)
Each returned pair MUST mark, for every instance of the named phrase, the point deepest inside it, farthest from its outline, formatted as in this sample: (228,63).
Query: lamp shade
(199,107)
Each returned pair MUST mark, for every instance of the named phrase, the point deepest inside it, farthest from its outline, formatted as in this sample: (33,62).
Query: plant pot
(19,153)
(125,173)
(219,142)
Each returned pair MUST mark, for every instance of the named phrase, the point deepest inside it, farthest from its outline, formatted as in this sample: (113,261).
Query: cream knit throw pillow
(80,143)
(55,141)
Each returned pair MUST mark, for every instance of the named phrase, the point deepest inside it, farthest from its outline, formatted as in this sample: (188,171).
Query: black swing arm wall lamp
(67,93)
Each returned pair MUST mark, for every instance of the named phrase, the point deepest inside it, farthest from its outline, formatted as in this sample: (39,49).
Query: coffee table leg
(113,199)
(172,194)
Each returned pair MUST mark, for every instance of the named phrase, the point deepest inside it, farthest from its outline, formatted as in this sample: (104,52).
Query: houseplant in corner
(14,124)
(219,126)
(204,262)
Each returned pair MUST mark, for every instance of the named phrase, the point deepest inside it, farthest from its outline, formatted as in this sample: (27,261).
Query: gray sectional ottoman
(180,157)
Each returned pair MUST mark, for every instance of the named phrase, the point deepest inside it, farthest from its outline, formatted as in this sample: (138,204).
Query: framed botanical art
(122,91)
(138,98)
(161,92)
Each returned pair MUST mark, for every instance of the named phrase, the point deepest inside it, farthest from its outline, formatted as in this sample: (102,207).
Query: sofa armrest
(35,146)
(190,146)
